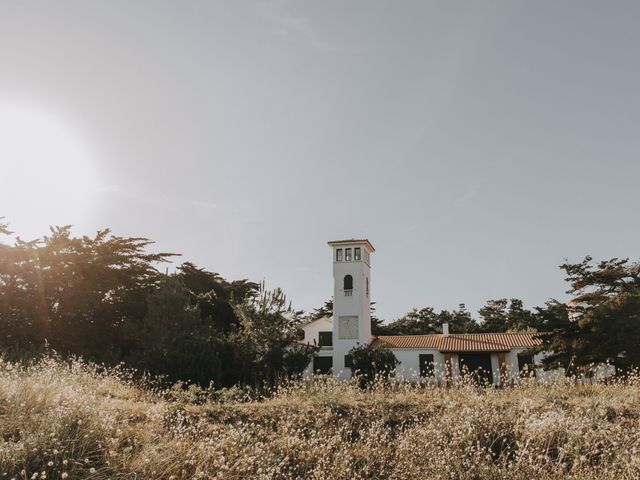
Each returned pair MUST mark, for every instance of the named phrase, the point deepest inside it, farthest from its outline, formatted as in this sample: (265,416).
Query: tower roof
(352,241)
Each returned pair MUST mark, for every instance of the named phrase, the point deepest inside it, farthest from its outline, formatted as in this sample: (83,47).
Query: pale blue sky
(476,144)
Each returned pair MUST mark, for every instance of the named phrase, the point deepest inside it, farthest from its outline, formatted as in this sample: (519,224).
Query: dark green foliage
(103,298)
(503,315)
(497,316)
(427,320)
(602,321)
(79,295)
(175,340)
(371,362)
(269,329)
(325,310)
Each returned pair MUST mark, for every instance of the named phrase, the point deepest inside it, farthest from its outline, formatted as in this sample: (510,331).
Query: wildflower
(64,475)
(92,470)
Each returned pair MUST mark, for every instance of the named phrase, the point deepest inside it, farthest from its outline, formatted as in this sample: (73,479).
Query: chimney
(445,329)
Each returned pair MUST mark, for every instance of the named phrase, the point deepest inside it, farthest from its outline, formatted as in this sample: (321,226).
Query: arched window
(348,282)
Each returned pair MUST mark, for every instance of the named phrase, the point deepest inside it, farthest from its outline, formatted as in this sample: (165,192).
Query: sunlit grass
(71,420)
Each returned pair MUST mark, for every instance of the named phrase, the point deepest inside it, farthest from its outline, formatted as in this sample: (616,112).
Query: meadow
(70,420)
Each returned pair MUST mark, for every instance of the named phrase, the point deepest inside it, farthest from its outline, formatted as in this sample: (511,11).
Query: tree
(371,362)
(602,321)
(268,335)
(103,298)
(504,315)
(415,322)
(460,320)
(215,296)
(326,310)
(174,341)
(427,320)
(494,315)
(78,294)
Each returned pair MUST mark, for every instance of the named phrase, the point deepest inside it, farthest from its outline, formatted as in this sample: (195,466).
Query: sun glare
(48,175)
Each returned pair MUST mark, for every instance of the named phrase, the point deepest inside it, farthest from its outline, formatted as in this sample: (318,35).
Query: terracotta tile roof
(462,342)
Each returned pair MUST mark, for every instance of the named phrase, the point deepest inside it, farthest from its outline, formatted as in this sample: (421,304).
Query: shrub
(370,362)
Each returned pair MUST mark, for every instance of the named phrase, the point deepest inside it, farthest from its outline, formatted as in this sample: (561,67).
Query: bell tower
(351,300)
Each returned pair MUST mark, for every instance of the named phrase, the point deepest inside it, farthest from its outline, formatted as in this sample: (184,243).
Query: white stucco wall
(354,303)
(311,330)
(408,367)
(311,336)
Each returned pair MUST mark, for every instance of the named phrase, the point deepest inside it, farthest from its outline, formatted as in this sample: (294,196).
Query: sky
(477,145)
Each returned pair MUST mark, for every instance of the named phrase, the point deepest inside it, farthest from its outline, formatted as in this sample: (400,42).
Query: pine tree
(602,321)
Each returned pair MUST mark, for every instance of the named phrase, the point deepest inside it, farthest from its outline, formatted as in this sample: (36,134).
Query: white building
(494,356)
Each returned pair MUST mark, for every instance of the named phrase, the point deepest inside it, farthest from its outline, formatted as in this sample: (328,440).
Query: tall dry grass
(70,420)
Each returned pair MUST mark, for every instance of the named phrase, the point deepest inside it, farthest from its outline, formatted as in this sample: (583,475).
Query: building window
(325,339)
(338,255)
(525,365)
(347,283)
(426,364)
(322,365)
(356,254)
(347,254)
(348,361)
(367,287)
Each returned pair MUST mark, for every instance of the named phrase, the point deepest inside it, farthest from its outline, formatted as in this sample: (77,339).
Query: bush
(372,362)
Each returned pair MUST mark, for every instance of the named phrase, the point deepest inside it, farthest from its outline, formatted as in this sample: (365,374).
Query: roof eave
(352,241)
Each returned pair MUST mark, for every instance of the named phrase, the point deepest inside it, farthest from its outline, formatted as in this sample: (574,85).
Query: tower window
(356,254)
(348,282)
(367,287)
(338,255)
(347,254)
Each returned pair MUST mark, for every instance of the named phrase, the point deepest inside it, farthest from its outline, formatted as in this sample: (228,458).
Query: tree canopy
(601,323)
(104,298)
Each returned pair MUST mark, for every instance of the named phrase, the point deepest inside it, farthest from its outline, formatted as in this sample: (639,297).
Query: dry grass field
(69,420)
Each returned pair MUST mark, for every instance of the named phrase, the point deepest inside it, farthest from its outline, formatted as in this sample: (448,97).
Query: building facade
(492,358)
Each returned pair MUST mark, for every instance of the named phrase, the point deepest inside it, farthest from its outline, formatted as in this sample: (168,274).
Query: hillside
(69,420)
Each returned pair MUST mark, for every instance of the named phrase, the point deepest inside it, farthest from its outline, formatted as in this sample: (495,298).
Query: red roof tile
(462,342)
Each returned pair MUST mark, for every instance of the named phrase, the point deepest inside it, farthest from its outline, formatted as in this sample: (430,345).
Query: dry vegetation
(69,420)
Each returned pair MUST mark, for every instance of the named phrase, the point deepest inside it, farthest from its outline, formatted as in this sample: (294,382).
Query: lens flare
(48,176)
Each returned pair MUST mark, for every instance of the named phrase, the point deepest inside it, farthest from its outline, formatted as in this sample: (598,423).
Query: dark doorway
(525,365)
(426,364)
(477,366)
(322,365)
